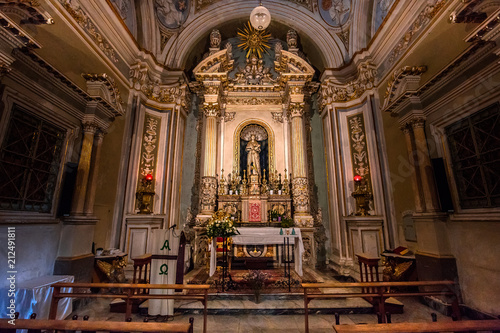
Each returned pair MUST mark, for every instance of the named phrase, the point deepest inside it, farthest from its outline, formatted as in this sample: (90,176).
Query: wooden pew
(93,326)
(431,327)
(379,292)
(129,293)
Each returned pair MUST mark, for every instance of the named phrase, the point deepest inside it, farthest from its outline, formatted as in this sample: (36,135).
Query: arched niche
(271,144)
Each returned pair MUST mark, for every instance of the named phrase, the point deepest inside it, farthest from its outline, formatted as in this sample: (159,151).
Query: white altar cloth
(263,236)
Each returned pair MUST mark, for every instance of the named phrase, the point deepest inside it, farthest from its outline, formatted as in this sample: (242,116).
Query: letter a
(166,245)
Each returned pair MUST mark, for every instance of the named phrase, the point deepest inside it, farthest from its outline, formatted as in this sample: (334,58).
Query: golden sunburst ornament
(253,40)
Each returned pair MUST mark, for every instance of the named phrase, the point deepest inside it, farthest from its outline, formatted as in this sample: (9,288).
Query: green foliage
(287,222)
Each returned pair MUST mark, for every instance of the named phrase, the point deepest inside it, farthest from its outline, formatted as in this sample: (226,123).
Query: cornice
(403,83)
(37,64)
(332,91)
(75,10)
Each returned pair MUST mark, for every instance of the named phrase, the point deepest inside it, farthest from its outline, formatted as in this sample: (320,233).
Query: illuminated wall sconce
(362,195)
(145,195)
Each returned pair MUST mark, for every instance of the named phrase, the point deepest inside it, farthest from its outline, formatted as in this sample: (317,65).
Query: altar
(254,150)
(265,236)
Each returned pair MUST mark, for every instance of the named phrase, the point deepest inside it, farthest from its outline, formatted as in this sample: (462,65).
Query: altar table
(264,236)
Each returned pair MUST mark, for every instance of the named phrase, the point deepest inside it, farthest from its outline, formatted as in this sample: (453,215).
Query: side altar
(254,160)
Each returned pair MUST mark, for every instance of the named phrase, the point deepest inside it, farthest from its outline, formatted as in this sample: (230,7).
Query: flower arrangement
(256,280)
(221,225)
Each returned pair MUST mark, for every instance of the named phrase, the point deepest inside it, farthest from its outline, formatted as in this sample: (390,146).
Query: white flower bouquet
(221,225)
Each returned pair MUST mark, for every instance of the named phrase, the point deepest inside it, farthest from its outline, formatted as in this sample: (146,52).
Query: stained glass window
(29,163)
(475,153)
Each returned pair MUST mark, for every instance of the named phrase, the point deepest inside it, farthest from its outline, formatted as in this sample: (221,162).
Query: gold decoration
(255,41)
(114,271)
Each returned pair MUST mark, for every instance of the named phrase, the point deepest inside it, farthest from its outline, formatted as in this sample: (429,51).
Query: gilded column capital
(418,122)
(211,109)
(4,69)
(296,110)
(405,128)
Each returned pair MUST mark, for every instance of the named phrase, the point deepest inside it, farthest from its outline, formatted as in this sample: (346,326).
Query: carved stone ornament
(296,110)
(259,132)
(152,88)
(238,100)
(291,38)
(83,19)
(334,92)
(277,116)
(215,39)
(229,116)
(254,73)
(300,191)
(211,109)
(208,193)
(423,19)
(101,86)
(395,90)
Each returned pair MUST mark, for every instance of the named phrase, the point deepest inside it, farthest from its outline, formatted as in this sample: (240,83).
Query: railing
(468,326)
(129,292)
(379,292)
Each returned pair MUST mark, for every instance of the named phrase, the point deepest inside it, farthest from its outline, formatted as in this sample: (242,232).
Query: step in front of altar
(284,304)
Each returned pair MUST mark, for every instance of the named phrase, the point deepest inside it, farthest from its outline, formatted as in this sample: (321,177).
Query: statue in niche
(253,158)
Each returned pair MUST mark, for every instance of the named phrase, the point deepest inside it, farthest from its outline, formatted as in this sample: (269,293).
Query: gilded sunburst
(253,40)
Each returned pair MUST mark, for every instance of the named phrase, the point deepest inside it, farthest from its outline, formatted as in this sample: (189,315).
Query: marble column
(419,204)
(300,186)
(209,180)
(82,176)
(429,189)
(94,170)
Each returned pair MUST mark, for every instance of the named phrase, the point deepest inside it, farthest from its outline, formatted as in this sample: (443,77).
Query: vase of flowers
(221,225)
(256,280)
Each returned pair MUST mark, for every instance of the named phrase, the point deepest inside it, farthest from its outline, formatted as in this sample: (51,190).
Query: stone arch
(270,138)
(328,45)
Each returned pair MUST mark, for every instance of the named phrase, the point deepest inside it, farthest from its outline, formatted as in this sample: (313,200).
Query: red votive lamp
(357,178)
(149,177)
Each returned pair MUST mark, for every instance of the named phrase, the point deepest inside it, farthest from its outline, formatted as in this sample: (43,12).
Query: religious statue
(253,158)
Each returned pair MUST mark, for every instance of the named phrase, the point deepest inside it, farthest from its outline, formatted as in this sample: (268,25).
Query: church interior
(318,135)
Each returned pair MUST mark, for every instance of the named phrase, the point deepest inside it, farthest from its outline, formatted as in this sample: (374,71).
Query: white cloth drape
(263,236)
(161,274)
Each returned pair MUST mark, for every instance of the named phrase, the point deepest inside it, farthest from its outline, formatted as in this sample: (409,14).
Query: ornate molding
(211,110)
(334,92)
(141,80)
(29,10)
(84,21)
(296,110)
(239,100)
(102,87)
(15,35)
(344,37)
(403,82)
(300,191)
(358,146)
(229,116)
(468,13)
(423,19)
(208,194)
(277,116)
(149,145)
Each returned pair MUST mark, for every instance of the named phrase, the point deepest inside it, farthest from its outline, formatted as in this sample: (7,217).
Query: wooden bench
(92,326)
(379,292)
(129,294)
(431,327)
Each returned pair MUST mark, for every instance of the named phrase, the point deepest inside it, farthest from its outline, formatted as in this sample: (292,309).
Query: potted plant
(287,222)
(274,215)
